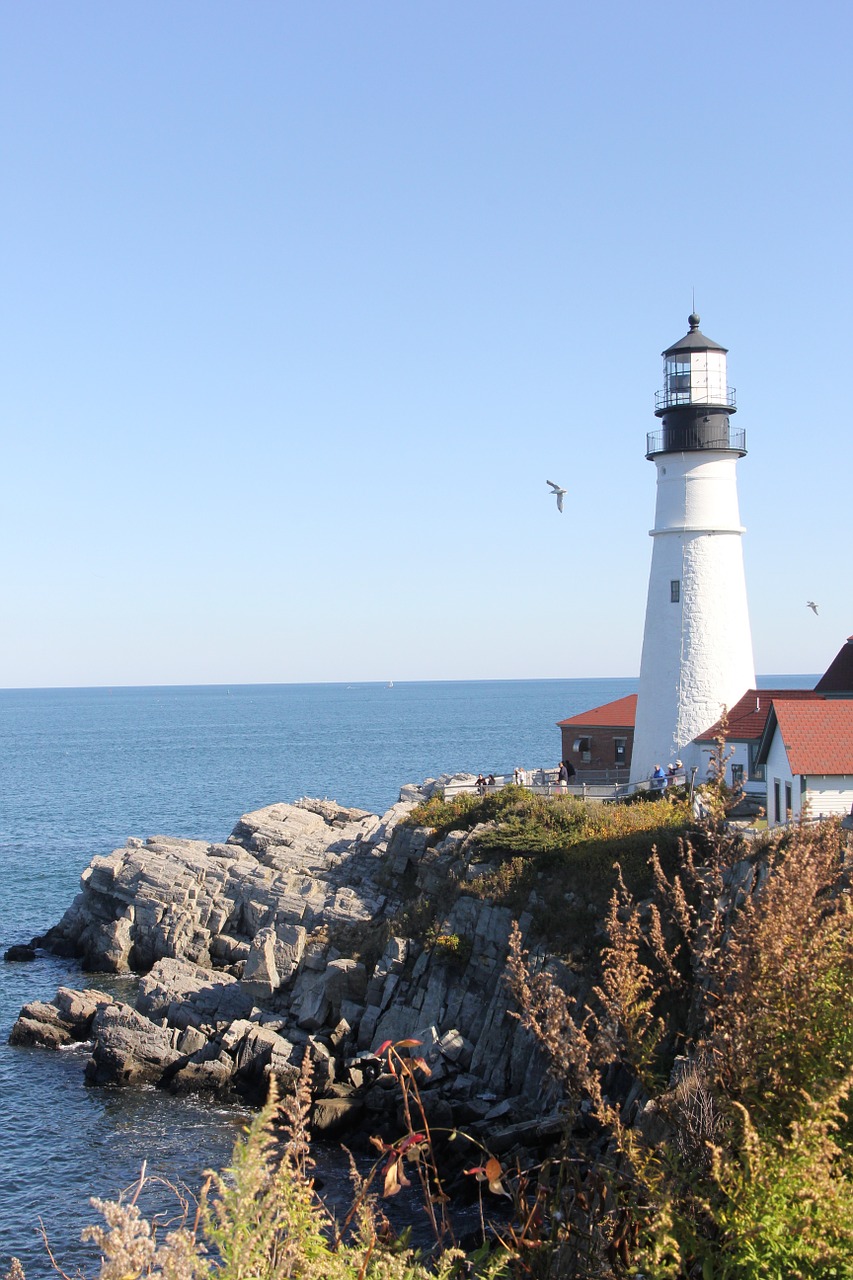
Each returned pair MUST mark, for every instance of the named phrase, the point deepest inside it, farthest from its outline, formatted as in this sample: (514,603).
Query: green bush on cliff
(563,845)
(519,821)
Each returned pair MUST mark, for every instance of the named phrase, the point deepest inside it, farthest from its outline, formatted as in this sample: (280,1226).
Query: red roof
(818,736)
(620,714)
(748,716)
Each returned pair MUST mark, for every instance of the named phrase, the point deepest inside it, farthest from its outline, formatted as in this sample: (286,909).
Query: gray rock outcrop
(284,940)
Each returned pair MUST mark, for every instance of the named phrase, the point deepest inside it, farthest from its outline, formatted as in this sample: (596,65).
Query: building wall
(739,759)
(779,774)
(829,795)
(602,744)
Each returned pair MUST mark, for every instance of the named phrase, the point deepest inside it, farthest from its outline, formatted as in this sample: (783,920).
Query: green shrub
(451,949)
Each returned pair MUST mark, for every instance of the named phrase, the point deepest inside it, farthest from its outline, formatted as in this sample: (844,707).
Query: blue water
(83,769)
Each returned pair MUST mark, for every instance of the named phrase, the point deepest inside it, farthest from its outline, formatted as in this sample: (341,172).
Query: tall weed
(710,1075)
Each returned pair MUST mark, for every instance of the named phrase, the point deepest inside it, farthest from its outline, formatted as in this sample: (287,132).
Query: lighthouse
(697,647)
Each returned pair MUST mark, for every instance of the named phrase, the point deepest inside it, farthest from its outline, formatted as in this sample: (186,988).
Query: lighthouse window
(677,376)
(675,590)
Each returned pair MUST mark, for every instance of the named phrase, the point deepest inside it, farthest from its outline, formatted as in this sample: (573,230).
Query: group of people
(660,780)
(523,778)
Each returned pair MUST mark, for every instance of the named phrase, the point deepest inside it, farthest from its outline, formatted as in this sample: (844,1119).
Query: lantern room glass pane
(677,379)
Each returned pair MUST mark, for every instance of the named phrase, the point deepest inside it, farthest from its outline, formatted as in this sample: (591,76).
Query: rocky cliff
(287,937)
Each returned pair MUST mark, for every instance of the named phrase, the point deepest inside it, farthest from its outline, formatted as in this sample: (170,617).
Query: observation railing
(673,399)
(694,437)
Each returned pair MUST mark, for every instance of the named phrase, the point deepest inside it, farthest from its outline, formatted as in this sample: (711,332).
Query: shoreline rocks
(284,940)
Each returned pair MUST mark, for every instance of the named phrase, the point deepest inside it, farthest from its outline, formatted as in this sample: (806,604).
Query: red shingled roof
(748,716)
(818,736)
(620,714)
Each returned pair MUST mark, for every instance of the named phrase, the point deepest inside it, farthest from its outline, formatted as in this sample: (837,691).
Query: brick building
(599,742)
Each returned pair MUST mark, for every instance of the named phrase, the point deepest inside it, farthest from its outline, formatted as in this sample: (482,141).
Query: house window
(675,590)
(737,775)
(788,801)
(777,801)
(757,772)
(620,746)
(583,746)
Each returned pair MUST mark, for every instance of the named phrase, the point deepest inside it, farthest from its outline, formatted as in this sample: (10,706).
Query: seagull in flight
(810,604)
(558,493)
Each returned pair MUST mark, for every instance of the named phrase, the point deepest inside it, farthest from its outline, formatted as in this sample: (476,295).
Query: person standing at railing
(562,776)
(658,779)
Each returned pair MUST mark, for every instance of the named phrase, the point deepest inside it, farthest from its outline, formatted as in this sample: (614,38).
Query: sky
(303,303)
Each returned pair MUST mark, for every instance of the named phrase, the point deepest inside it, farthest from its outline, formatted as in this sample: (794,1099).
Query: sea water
(83,769)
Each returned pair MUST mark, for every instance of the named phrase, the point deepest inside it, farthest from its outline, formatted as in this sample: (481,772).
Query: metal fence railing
(689,438)
(601,784)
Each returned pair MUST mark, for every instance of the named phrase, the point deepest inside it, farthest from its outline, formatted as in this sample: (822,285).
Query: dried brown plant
(719,1038)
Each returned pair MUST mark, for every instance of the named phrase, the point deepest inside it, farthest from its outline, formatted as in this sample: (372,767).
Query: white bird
(558,493)
(810,604)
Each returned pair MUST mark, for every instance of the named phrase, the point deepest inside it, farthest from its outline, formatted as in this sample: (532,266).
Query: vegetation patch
(727,1012)
(560,849)
(452,949)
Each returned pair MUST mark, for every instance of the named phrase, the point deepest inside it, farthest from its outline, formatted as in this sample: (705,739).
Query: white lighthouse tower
(697,647)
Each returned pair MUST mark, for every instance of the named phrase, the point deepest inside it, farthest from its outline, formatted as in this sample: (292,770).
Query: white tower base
(697,646)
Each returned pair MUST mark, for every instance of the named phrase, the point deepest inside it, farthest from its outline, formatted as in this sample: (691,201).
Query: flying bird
(810,604)
(558,493)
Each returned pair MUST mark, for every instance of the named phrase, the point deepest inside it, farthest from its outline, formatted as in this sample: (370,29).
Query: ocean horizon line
(356,683)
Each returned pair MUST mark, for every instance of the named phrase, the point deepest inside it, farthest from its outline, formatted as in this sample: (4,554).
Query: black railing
(672,399)
(688,438)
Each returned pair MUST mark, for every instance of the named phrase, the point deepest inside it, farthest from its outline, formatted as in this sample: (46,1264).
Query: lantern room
(695,402)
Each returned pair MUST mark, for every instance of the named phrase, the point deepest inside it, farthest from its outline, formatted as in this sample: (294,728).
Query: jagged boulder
(189,995)
(128,1048)
(68,1020)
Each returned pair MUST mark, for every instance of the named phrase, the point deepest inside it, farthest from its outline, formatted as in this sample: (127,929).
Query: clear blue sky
(304,302)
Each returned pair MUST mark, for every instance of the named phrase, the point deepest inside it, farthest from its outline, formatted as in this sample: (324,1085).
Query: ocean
(83,769)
